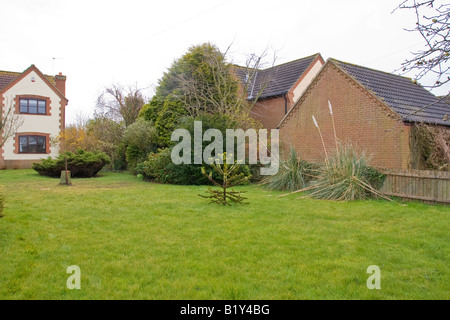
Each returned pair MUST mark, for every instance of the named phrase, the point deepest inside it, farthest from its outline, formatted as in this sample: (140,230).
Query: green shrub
(165,113)
(293,174)
(139,139)
(374,177)
(120,160)
(156,167)
(133,155)
(81,164)
(347,176)
(160,168)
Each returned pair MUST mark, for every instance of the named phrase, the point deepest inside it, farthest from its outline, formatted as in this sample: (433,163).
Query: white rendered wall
(301,87)
(34,123)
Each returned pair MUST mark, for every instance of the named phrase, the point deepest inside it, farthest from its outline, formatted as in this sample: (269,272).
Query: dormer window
(33,106)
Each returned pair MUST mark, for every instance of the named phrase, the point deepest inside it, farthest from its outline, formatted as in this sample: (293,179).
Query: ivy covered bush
(81,164)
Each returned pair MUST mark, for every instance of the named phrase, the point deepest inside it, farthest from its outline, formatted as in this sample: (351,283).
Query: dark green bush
(160,168)
(139,139)
(132,156)
(157,167)
(374,177)
(81,164)
(120,161)
(165,113)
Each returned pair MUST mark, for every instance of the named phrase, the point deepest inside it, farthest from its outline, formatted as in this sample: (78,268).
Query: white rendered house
(39,100)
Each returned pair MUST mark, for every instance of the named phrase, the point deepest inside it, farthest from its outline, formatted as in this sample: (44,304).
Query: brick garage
(276,88)
(366,112)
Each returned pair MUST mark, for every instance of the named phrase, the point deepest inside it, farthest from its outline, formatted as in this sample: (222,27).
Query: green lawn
(138,240)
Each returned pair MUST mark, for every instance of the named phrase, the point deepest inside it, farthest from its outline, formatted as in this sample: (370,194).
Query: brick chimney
(60,83)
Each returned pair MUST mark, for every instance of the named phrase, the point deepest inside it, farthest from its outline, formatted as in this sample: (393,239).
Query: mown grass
(137,240)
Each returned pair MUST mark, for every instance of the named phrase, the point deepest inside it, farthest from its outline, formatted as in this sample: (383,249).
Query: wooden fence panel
(425,185)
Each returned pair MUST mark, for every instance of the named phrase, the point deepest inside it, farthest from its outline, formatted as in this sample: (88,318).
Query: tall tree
(119,103)
(181,89)
(203,82)
(432,23)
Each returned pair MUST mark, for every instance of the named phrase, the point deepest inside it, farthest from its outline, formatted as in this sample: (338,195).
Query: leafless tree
(433,25)
(254,82)
(9,124)
(117,102)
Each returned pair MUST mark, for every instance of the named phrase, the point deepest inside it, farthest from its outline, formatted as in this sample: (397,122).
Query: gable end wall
(359,118)
(271,111)
(51,124)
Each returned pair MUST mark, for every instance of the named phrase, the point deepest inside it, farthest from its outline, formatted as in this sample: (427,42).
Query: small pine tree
(230,178)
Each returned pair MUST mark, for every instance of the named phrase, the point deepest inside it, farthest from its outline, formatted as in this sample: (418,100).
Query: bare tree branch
(119,103)
(434,26)
(9,124)
(222,91)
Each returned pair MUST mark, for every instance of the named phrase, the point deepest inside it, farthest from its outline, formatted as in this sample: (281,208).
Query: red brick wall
(359,118)
(17,164)
(270,112)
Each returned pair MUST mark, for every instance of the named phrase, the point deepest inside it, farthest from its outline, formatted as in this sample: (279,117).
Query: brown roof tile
(6,77)
(408,99)
(277,80)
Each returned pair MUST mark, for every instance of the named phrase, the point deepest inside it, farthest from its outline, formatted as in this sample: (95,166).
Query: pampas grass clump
(293,174)
(346,176)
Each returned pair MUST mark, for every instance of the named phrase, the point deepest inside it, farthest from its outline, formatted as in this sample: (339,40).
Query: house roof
(409,100)
(9,78)
(6,77)
(277,80)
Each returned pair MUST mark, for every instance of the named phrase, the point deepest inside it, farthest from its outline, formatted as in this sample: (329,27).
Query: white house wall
(49,124)
(301,87)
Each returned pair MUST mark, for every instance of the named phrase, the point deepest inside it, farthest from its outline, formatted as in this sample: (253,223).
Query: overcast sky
(96,43)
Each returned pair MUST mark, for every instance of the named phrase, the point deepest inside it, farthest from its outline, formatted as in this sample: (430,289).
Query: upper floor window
(33,106)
